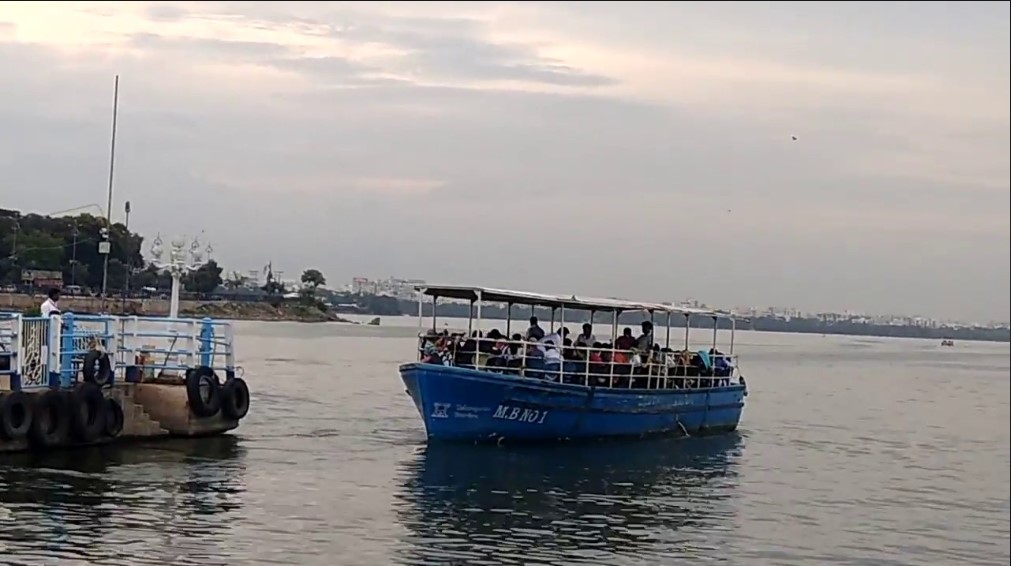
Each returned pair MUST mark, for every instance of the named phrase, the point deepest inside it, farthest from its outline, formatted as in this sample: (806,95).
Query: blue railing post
(207,342)
(67,351)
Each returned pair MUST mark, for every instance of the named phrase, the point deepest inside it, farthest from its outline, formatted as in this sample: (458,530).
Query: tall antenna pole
(105,246)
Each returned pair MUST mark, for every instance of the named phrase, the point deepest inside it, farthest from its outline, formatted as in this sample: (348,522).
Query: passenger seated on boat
(488,343)
(622,357)
(625,341)
(534,350)
(654,363)
(552,358)
(553,338)
(436,351)
(465,352)
(598,365)
(498,350)
(535,332)
(516,353)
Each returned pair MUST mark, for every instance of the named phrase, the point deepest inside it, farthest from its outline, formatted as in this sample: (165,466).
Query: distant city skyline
(824,155)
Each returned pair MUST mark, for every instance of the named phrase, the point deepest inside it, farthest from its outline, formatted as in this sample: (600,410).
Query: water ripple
(852,452)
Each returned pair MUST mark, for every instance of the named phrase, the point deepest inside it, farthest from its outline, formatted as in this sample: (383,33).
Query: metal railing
(44,352)
(599,365)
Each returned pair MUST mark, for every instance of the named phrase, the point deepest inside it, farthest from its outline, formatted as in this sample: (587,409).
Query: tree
(75,274)
(205,279)
(313,278)
(151,277)
(117,275)
(45,242)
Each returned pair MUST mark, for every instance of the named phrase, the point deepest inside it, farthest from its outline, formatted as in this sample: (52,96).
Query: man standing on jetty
(52,304)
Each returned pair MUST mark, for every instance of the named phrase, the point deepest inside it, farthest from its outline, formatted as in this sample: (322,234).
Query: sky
(637,150)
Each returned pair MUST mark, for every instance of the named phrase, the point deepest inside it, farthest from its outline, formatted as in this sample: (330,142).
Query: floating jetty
(76,380)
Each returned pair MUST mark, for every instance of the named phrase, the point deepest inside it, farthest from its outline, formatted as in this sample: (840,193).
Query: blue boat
(542,385)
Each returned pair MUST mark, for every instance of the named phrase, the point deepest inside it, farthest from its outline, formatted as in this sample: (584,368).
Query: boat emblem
(441,411)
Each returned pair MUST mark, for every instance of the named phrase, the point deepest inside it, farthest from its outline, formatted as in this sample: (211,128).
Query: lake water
(851,451)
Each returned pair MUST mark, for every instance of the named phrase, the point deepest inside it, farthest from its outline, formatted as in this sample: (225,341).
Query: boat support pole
(480,336)
(712,360)
(561,338)
(688,325)
(420,312)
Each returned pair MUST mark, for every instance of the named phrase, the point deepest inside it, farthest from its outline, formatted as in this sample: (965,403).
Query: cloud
(208,47)
(340,135)
(453,48)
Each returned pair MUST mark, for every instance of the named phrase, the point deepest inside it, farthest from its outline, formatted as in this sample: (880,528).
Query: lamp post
(129,257)
(178,265)
(105,246)
(73,262)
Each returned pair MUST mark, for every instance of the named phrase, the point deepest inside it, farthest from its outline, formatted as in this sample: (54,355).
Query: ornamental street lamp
(178,264)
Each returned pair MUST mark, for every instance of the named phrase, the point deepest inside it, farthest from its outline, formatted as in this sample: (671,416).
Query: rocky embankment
(261,311)
(158,307)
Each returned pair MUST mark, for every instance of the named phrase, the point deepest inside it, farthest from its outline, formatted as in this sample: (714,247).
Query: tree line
(70,245)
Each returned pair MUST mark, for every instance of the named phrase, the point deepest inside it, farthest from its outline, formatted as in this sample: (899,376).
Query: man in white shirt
(586,339)
(52,304)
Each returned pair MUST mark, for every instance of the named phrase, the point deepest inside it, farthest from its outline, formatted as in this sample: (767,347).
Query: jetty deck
(74,380)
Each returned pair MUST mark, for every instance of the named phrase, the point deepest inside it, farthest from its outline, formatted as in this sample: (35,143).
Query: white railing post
(16,333)
(54,339)
(112,329)
(194,334)
(230,341)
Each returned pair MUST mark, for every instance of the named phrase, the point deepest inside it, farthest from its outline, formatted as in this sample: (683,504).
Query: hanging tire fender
(203,391)
(235,398)
(15,415)
(97,368)
(113,418)
(50,420)
(88,409)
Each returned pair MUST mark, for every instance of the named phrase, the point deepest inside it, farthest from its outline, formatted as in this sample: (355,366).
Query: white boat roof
(493,295)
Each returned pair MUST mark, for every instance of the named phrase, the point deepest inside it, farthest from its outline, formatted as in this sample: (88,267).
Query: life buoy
(97,368)
(235,398)
(203,391)
(113,418)
(15,415)
(50,420)
(88,410)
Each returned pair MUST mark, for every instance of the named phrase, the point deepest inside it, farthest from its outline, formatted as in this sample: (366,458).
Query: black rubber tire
(203,390)
(88,409)
(97,368)
(235,398)
(15,415)
(50,420)
(113,418)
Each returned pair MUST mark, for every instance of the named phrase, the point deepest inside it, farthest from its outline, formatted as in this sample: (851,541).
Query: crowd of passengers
(631,361)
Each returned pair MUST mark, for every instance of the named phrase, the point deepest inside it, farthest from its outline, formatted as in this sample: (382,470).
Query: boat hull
(471,405)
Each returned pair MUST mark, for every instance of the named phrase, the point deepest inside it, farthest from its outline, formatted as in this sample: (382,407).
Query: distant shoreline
(296,312)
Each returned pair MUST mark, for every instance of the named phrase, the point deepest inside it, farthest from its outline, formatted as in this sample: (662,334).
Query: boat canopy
(492,295)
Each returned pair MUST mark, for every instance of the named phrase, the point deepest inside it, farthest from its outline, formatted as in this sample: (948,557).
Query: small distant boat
(947,342)
(494,387)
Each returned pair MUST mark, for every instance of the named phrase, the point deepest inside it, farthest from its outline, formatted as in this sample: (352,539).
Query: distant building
(42,278)
(390,287)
